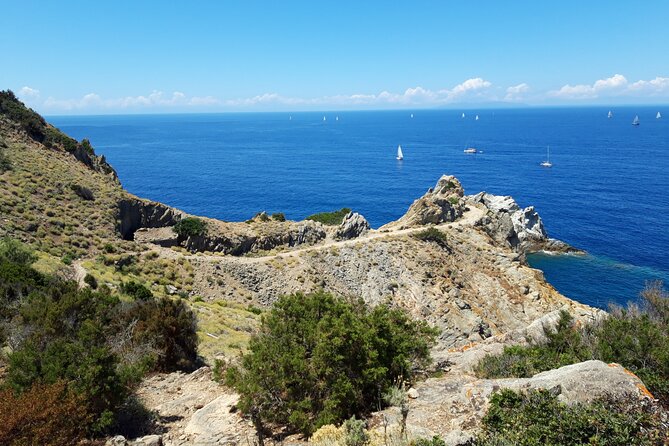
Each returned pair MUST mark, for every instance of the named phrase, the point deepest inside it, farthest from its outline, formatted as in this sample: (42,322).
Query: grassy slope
(39,207)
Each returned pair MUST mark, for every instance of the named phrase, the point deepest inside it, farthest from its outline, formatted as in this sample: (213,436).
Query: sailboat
(400,156)
(323,118)
(636,120)
(658,115)
(547,163)
(477,118)
(610,115)
(412,115)
(290,119)
(337,118)
(463,115)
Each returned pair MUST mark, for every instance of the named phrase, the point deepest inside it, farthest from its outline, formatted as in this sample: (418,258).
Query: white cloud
(654,86)
(155,99)
(516,92)
(614,86)
(28,93)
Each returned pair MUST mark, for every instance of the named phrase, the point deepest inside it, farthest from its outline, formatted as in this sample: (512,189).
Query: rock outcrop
(135,213)
(440,204)
(453,406)
(520,229)
(354,225)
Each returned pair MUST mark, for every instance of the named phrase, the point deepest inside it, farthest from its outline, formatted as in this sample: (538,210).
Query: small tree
(319,360)
(190,227)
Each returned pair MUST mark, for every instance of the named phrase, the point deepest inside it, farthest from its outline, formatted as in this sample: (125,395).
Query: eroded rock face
(520,229)
(135,213)
(354,225)
(441,204)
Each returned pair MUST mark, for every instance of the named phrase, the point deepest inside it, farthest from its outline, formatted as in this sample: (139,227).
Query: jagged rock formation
(441,204)
(520,229)
(354,225)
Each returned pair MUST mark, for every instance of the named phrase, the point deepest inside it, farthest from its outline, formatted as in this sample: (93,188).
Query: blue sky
(74,57)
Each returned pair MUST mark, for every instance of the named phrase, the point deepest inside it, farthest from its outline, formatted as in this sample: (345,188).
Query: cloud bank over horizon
(616,89)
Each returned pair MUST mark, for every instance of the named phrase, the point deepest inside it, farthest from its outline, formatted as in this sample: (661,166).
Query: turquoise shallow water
(607,193)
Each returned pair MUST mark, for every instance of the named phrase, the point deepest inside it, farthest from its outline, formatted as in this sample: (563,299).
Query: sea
(607,192)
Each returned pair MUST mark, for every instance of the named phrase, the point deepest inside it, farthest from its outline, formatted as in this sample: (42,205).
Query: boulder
(148,440)
(354,225)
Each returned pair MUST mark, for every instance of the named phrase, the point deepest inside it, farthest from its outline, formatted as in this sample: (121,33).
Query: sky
(107,57)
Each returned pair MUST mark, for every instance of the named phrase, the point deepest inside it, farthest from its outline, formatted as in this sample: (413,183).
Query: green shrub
(5,164)
(434,441)
(432,235)
(278,216)
(330,218)
(636,337)
(190,226)
(90,281)
(539,418)
(355,432)
(16,252)
(319,360)
(564,346)
(136,291)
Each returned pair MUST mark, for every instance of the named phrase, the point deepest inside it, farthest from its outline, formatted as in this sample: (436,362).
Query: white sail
(477,117)
(412,115)
(610,115)
(323,118)
(636,120)
(658,116)
(547,163)
(400,155)
(337,118)
(463,115)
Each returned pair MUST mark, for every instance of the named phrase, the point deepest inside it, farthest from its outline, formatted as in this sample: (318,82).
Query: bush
(16,252)
(83,192)
(5,164)
(46,414)
(190,226)
(136,290)
(319,360)
(278,216)
(330,218)
(564,346)
(539,418)
(636,337)
(432,235)
(90,281)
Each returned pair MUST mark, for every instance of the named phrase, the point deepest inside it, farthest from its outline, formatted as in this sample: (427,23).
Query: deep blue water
(607,193)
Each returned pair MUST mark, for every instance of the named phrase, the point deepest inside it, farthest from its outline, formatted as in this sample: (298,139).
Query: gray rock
(171,289)
(353,225)
(118,440)
(149,440)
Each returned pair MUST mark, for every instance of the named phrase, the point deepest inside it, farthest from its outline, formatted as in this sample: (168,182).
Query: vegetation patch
(432,235)
(539,418)
(330,218)
(87,347)
(190,227)
(637,337)
(330,359)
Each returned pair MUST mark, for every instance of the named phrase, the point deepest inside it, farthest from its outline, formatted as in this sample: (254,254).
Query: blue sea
(607,192)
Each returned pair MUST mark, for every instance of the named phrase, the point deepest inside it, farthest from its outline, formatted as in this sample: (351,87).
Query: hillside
(454,261)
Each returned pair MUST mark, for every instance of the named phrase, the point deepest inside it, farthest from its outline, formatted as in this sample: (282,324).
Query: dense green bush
(91,341)
(539,418)
(278,216)
(320,360)
(5,164)
(190,226)
(330,218)
(136,290)
(433,235)
(31,122)
(636,337)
